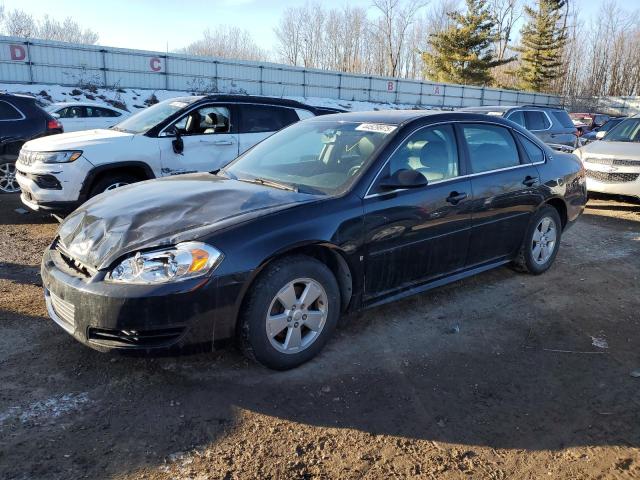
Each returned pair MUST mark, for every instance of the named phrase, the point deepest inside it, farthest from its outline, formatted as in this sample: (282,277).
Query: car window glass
(534,152)
(430,151)
(490,147)
(71,112)
(563,118)
(205,121)
(99,112)
(9,112)
(536,120)
(517,117)
(265,118)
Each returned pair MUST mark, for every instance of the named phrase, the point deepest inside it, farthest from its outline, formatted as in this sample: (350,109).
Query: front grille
(64,310)
(135,338)
(613,161)
(27,157)
(73,267)
(613,177)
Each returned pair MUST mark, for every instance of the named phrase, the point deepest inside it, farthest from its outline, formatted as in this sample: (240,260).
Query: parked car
(21,119)
(552,125)
(330,215)
(177,136)
(586,122)
(599,132)
(76,116)
(613,164)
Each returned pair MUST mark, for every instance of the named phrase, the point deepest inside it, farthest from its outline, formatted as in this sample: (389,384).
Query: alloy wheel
(8,182)
(544,240)
(297,315)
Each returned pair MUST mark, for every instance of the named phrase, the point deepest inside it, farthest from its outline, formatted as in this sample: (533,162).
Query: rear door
(420,234)
(209,140)
(505,185)
(257,122)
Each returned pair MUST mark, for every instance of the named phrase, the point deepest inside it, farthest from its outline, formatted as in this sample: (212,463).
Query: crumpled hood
(164,212)
(626,150)
(76,140)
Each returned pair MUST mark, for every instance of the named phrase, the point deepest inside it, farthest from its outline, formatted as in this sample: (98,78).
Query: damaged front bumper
(108,316)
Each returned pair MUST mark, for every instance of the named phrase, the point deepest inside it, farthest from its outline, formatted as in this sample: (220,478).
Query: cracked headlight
(172,264)
(62,156)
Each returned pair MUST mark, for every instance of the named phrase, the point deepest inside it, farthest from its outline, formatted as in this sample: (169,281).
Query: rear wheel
(290,312)
(8,182)
(111,181)
(541,242)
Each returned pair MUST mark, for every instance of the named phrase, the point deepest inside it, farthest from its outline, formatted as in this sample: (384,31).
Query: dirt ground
(499,376)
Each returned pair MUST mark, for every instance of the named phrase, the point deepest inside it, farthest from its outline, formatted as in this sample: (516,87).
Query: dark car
(21,120)
(550,124)
(587,122)
(330,215)
(600,132)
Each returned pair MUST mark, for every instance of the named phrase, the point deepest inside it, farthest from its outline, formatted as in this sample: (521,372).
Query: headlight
(172,264)
(63,156)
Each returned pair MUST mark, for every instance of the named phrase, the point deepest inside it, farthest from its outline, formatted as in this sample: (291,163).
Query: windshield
(313,156)
(609,125)
(626,131)
(148,118)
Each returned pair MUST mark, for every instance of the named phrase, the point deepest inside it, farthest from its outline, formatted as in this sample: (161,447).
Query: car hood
(165,212)
(76,140)
(630,150)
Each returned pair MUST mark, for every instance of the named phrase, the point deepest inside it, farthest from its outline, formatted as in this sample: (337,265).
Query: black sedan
(328,216)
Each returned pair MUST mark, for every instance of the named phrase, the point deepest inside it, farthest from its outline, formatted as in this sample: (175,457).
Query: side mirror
(600,134)
(404,178)
(177,143)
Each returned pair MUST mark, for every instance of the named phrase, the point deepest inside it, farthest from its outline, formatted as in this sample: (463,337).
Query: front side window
(265,118)
(431,151)
(536,120)
(313,156)
(9,112)
(490,147)
(206,120)
(72,112)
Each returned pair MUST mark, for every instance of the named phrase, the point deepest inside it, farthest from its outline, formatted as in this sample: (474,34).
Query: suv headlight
(172,264)
(62,156)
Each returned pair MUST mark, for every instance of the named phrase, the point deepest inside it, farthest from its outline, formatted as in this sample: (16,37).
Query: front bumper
(107,316)
(615,180)
(52,187)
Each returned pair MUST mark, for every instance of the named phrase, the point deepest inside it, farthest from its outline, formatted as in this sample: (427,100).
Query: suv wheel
(8,182)
(112,181)
(290,312)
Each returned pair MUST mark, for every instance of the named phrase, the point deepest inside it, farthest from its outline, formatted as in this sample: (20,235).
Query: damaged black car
(328,216)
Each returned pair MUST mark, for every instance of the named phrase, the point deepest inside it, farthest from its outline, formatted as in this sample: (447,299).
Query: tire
(538,260)
(111,181)
(273,342)
(8,183)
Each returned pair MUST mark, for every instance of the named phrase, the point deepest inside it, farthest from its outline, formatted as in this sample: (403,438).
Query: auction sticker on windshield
(376,127)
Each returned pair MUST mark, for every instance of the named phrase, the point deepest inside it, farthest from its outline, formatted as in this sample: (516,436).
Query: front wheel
(8,182)
(541,242)
(111,181)
(290,312)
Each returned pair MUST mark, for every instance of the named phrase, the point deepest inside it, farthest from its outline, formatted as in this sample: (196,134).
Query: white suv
(180,135)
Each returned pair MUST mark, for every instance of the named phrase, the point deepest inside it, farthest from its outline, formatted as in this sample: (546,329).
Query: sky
(172,24)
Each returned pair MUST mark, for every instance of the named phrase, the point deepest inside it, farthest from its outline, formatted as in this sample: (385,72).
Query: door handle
(530,181)
(454,197)
(219,142)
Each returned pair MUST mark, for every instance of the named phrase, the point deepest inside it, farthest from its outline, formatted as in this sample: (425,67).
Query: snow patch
(46,410)
(599,342)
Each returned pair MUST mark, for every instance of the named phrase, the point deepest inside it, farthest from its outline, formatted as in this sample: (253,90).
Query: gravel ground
(503,375)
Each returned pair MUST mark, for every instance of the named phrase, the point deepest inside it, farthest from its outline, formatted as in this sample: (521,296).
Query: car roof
(258,99)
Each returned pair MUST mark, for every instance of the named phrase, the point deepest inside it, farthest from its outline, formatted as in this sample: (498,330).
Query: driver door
(209,139)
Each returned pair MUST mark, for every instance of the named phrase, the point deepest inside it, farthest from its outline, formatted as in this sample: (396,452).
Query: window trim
(525,119)
(22,115)
(368,195)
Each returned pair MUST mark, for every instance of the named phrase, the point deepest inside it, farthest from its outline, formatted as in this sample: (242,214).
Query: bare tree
(17,23)
(506,14)
(227,42)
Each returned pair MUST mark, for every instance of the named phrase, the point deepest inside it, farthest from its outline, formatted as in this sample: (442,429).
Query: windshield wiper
(269,183)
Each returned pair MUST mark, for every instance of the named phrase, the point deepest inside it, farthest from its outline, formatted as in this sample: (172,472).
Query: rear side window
(517,117)
(265,118)
(101,112)
(490,147)
(534,152)
(563,118)
(536,120)
(9,112)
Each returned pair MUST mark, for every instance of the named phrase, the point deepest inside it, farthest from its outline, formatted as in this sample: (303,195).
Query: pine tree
(543,39)
(463,53)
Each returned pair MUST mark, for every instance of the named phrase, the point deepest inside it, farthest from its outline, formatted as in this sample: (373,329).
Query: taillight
(54,124)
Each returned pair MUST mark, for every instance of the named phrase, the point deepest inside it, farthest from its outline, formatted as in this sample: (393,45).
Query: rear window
(9,112)
(563,118)
(490,147)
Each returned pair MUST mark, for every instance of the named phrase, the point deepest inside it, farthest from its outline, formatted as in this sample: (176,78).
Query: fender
(93,173)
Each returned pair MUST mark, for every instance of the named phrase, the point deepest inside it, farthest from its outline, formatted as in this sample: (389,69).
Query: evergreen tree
(463,52)
(543,39)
